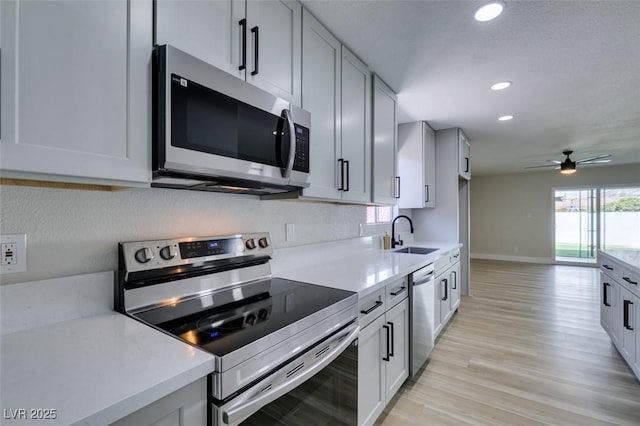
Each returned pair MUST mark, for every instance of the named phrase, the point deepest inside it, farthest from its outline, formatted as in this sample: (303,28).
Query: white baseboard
(522,259)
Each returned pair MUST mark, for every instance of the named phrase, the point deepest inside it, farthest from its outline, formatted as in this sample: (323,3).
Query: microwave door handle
(286,172)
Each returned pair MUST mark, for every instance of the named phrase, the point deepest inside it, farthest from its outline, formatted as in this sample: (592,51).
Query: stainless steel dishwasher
(421,293)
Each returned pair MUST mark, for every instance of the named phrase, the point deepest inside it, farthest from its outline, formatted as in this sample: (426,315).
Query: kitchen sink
(416,250)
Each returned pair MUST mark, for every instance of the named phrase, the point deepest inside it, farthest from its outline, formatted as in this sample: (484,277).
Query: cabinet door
(445,297)
(628,344)
(356,127)
(454,283)
(605,302)
(429,164)
(321,97)
(371,371)
(385,127)
(184,407)
(464,156)
(636,360)
(209,30)
(274,47)
(75,96)
(616,314)
(410,165)
(437,297)
(397,368)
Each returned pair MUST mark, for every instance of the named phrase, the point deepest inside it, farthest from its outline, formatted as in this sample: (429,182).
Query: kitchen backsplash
(72,232)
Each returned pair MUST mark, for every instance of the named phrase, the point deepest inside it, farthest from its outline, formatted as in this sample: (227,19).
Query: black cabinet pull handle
(392,340)
(386,358)
(397,291)
(605,294)
(630,281)
(372,308)
(426,193)
(398,186)
(346,163)
(626,314)
(466,168)
(243,35)
(446,289)
(454,281)
(256,39)
(607,267)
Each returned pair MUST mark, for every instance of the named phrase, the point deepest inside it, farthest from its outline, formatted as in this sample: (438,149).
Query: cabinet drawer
(397,291)
(442,263)
(371,307)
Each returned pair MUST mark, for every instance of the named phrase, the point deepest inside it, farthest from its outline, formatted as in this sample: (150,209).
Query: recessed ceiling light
(506,118)
(501,85)
(489,11)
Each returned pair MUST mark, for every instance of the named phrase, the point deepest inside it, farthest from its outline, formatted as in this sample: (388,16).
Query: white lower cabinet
(447,288)
(620,309)
(383,349)
(185,407)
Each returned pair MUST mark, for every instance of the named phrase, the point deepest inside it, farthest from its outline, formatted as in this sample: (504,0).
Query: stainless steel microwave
(215,132)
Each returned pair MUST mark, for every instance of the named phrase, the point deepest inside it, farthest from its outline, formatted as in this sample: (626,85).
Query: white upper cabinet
(356,128)
(337,92)
(321,68)
(259,41)
(416,165)
(464,156)
(75,89)
(385,128)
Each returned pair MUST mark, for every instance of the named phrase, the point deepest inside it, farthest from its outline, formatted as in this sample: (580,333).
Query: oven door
(320,387)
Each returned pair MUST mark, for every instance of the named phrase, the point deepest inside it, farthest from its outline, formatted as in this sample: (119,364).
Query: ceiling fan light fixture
(489,11)
(567,167)
(501,85)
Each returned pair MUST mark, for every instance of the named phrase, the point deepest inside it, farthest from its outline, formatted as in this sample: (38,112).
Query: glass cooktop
(222,329)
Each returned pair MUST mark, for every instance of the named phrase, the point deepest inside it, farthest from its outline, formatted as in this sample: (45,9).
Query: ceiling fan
(568,166)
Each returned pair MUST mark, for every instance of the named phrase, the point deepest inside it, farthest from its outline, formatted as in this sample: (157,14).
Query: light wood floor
(526,349)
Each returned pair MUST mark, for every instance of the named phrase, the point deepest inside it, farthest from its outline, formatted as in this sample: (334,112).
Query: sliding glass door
(587,219)
(576,225)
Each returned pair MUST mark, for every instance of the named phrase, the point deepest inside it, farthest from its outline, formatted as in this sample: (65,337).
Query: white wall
(512,214)
(72,232)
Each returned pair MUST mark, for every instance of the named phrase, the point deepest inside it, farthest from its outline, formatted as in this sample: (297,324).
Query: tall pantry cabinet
(449,220)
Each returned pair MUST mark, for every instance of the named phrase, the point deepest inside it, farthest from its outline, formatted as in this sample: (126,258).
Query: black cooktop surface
(223,329)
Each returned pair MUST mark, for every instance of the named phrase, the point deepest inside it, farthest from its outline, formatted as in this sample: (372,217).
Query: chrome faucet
(394,243)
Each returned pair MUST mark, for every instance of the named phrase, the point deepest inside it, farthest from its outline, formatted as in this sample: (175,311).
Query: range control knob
(144,255)
(250,243)
(250,319)
(263,242)
(168,252)
(263,314)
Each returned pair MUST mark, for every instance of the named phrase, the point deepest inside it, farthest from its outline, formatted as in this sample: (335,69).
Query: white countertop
(630,257)
(91,369)
(354,265)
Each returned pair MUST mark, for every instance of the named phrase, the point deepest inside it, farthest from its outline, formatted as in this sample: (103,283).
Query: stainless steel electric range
(285,351)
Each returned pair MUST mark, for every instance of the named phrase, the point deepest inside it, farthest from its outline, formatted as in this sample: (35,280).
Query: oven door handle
(240,412)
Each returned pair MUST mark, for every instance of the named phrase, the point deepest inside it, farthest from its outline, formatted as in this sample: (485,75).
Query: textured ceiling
(575,68)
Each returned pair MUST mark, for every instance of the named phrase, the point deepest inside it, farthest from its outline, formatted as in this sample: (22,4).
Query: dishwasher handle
(423,279)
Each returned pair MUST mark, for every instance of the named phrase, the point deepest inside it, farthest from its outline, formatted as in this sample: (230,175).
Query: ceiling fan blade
(594,161)
(554,161)
(597,157)
(537,167)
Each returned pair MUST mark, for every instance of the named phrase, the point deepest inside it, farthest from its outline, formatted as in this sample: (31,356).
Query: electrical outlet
(290,232)
(13,253)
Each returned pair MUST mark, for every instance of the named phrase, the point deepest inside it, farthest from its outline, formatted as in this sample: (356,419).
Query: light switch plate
(13,253)
(290,234)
